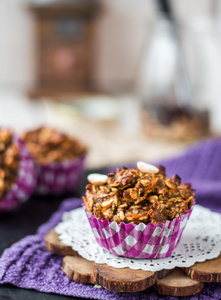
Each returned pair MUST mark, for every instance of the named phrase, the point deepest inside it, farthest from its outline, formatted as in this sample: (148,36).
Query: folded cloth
(27,264)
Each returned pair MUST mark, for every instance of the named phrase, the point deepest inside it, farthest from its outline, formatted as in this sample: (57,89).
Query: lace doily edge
(167,266)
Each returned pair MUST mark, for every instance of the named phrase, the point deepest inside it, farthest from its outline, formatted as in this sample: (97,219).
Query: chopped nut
(117,219)
(116,200)
(176,179)
(123,205)
(146,168)
(89,203)
(145,182)
(170,184)
(153,198)
(97,179)
(131,194)
(121,215)
(108,213)
(107,203)
(105,189)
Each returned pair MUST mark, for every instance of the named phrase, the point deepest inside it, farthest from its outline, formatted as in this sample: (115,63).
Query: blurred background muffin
(17,174)
(59,159)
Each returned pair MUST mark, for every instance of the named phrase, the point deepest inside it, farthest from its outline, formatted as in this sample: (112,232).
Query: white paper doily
(201,240)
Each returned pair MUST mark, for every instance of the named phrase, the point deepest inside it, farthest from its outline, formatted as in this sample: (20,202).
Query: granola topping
(48,145)
(133,196)
(9,161)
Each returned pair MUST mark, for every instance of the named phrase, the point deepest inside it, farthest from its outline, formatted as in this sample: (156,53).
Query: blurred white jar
(159,78)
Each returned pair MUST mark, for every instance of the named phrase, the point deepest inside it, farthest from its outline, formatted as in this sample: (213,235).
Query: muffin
(17,173)
(59,159)
(138,212)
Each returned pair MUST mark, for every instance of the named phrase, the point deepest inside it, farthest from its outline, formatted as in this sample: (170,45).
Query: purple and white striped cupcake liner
(59,177)
(26,181)
(139,241)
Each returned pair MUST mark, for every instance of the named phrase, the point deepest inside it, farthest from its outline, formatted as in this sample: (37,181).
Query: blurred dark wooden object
(64,41)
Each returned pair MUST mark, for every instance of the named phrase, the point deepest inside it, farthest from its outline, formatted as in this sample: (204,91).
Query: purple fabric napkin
(27,264)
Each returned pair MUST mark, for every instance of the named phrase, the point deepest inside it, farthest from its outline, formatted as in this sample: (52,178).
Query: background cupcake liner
(139,241)
(26,181)
(59,177)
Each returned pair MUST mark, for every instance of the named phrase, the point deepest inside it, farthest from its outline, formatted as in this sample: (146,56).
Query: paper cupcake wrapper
(59,177)
(139,241)
(26,181)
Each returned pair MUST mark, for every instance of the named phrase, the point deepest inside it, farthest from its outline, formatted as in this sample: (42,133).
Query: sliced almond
(147,168)
(97,179)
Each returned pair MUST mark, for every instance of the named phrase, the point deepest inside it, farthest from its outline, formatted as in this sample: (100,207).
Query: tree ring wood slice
(123,280)
(162,273)
(207,271)
(176,283)
(55,246)
(78,269)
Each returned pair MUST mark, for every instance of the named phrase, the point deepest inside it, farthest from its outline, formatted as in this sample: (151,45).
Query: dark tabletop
(24,221)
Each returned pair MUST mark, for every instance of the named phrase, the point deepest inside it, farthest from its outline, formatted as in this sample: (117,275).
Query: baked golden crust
(132,196)
(9,161)
(47,145)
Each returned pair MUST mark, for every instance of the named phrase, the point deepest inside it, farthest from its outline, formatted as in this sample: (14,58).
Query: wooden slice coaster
(127,280)
(178,284)
(123,280)
(81,270)
(207,271)
(55,246)
(78,269)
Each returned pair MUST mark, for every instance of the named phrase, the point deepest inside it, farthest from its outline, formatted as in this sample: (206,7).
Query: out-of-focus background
(132,79)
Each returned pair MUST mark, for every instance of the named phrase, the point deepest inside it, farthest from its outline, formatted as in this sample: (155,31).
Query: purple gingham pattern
(59,177)
(25,184)
(139,241)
